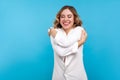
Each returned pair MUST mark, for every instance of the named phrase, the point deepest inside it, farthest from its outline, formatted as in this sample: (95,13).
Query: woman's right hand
(83,38)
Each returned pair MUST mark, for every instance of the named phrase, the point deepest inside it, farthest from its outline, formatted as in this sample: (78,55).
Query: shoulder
(79,28)
(58,29)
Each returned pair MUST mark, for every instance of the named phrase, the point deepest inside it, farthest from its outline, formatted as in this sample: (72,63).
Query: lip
(66,23)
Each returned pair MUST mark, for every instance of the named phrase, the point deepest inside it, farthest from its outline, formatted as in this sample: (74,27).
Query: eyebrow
(67,14)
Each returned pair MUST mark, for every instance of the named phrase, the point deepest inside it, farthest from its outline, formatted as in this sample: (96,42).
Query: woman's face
(66,19)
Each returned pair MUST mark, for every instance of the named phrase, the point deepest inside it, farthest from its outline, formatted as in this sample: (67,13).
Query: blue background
(25,49)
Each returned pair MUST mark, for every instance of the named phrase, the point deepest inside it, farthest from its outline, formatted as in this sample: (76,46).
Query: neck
(67,31)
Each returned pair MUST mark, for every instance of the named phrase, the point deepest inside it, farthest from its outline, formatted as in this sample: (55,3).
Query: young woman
(67,38)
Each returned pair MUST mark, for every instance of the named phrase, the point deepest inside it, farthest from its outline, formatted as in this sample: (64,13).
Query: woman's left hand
(52,32)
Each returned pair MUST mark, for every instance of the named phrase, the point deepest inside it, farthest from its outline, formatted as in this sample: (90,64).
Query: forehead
(66,11)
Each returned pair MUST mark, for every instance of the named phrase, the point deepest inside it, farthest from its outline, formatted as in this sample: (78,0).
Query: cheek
(61,20)
(72,20)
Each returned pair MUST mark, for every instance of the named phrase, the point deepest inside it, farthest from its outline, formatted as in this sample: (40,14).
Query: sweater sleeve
(64,51)
(66,41)
(64,45)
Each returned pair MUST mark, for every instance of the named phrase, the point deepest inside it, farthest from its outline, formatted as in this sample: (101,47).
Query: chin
(65,28)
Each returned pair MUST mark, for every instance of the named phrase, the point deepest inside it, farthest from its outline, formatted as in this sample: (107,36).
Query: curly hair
(77,21)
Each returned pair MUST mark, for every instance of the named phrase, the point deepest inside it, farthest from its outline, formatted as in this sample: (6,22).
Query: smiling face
(67,20)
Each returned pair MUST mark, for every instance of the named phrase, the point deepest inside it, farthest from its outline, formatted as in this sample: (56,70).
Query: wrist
(81,42)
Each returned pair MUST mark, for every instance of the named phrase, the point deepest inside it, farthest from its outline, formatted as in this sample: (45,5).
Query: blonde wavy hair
(77,21)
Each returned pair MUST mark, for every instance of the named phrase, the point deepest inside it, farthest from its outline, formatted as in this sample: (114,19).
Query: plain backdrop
(25,48)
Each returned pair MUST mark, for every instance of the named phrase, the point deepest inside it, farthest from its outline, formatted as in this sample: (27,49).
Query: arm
(63,40)
(71,49)
(64,51)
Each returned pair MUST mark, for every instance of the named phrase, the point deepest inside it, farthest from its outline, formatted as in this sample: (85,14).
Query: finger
(84,32)
(49,31)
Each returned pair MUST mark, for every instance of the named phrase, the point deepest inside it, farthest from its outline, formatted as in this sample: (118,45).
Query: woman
(67,38)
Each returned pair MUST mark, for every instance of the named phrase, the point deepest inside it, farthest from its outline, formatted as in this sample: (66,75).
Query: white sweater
(66,47)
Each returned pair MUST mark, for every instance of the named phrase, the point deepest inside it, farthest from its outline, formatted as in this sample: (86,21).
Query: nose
(65,18)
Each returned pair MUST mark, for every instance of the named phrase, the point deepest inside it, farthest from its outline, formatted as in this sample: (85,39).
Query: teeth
(66,23)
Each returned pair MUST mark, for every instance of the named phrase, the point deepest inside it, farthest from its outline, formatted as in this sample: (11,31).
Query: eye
(69,16)
(62,16)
